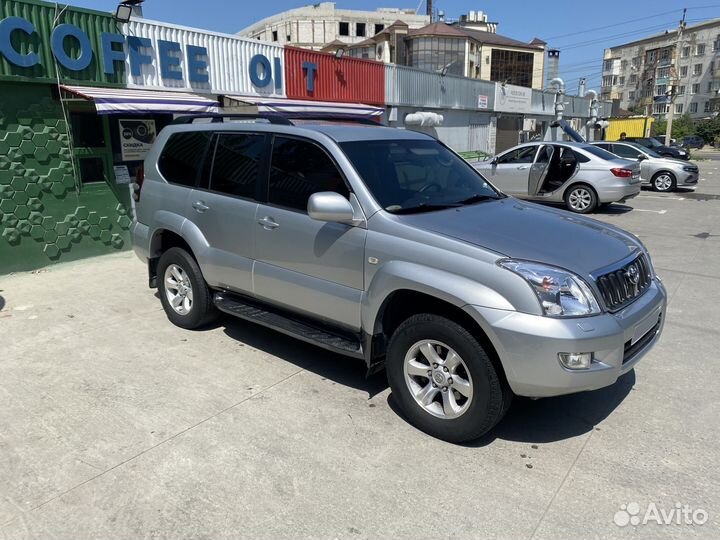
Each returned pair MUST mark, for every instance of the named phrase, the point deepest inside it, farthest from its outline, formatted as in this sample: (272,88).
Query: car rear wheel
(664,181)
(443,379)
(581,199)
(185,296)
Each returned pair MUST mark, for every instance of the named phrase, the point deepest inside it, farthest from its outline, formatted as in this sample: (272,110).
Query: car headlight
(561,293)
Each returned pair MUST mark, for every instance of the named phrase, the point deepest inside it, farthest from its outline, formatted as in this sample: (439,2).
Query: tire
(489,396)
(581,199)
(664,182)
(174,263)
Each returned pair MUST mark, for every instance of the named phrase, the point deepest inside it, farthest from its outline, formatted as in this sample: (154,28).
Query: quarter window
(237,163)
(297,170)
(182,156)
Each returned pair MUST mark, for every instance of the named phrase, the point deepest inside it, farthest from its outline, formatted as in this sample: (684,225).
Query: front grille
(618,288)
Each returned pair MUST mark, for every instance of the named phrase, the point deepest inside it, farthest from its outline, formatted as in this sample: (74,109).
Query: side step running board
(244,309)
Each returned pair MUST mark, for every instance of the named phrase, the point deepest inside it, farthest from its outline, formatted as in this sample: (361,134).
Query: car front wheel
(663,182)
(444,380)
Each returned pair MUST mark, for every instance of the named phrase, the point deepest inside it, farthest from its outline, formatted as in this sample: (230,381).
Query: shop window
(92,170)
(344,29)
(87,130)
(300,169)
(182,156)
(236,165)
(360,29)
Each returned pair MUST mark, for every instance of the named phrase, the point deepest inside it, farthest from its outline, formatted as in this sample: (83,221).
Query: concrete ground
(116,424)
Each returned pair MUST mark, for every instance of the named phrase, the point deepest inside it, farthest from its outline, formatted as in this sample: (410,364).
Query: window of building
(344,29)
(91,169)
(707,107)
(360,29)
(651,56)
(623,65)
(87,130)
(298,169)
(685,52)
(631,95)
(379,28)
(697,70)
(636,61)
(681,90)
(182,157)
(515,67)
(633,79)
(663,73)
(716,45)
(236,165)
(679,108)
(288,38)
(622,79)
(699,49)
(608,65)
(683,71)
(660,108)
(274,35)
(693,107)
(660,89)
(695,88)
(665,55)
(435,54)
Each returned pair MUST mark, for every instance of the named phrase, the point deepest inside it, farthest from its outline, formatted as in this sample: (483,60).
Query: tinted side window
(579,157)
(182,157)
(297,170)
(626,151)
(521,155)
(237,163)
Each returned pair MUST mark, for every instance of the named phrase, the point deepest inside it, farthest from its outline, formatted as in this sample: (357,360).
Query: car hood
(529,231)
(669,160)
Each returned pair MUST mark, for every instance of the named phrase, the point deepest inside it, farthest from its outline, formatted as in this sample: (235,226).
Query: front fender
(400,275)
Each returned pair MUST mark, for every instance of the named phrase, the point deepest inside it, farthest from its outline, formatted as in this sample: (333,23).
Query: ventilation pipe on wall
(559,85)
(592,123)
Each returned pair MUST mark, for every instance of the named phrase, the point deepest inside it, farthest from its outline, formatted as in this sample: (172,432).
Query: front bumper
(688,178)
(528,345)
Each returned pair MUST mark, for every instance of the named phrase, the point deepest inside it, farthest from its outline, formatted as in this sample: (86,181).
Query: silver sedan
(580,175)
(661,173)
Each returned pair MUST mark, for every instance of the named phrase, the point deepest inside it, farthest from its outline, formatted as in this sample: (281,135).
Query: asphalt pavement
(116,424)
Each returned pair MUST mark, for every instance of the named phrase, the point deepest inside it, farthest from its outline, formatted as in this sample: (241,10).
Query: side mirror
(642,157)
(494,161)
(330,206)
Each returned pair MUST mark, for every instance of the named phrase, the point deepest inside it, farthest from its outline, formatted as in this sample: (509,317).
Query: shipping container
(405,86)
(632,127)
(320,76)
(228,57)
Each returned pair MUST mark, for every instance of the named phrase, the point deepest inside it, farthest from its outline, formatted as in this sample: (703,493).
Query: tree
(709,130)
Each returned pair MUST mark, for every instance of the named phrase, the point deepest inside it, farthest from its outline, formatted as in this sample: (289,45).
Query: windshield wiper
(476,198)
(423,207)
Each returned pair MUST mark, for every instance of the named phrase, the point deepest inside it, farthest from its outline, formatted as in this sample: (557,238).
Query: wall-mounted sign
(482,102)
(136,138)
(122,174)
(510,98)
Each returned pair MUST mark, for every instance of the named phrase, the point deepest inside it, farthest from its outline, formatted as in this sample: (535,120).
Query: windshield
(416,175)
(645,150)
(649,142)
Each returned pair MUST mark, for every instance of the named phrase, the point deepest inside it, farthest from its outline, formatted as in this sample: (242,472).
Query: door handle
(200,206)
(268,223)
(522,167)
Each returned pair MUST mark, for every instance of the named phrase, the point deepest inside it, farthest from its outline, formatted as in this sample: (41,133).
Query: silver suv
(383,245)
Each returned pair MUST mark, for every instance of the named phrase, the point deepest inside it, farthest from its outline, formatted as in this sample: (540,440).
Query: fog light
(576,360)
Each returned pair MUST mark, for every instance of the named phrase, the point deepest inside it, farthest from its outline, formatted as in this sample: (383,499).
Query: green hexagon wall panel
(46,215)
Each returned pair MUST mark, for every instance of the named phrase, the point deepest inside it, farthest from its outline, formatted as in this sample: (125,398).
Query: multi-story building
(314,26)
(470,47)
(641,74)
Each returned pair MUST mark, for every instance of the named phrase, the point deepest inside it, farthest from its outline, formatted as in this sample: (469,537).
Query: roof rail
(335,118)
(220,118)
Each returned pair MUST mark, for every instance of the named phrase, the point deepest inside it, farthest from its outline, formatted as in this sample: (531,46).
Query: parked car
(383,245)
(674,143)
(693,141)
(578,174)
(663,174)
(665,151)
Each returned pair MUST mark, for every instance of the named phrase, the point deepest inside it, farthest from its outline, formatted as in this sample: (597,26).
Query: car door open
(540,169)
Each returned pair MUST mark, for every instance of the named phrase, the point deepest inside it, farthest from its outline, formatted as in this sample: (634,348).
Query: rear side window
(237,164)
(297,170)
(182,157)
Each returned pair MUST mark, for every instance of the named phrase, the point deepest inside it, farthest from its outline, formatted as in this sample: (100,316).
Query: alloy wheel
(580,199)
(663,182)
(178,289)
(438,379)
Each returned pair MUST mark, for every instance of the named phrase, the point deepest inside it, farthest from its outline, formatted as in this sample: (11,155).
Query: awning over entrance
(125,100)
(300,108)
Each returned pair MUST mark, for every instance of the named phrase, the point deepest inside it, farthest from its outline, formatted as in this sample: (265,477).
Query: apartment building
(641,74)
(314,26)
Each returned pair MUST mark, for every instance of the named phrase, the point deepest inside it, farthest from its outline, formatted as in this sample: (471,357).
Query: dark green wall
(45,216)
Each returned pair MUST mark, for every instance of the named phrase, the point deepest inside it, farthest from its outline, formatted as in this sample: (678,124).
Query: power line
(614,25)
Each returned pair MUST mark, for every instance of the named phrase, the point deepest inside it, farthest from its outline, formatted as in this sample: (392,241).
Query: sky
(580,29)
